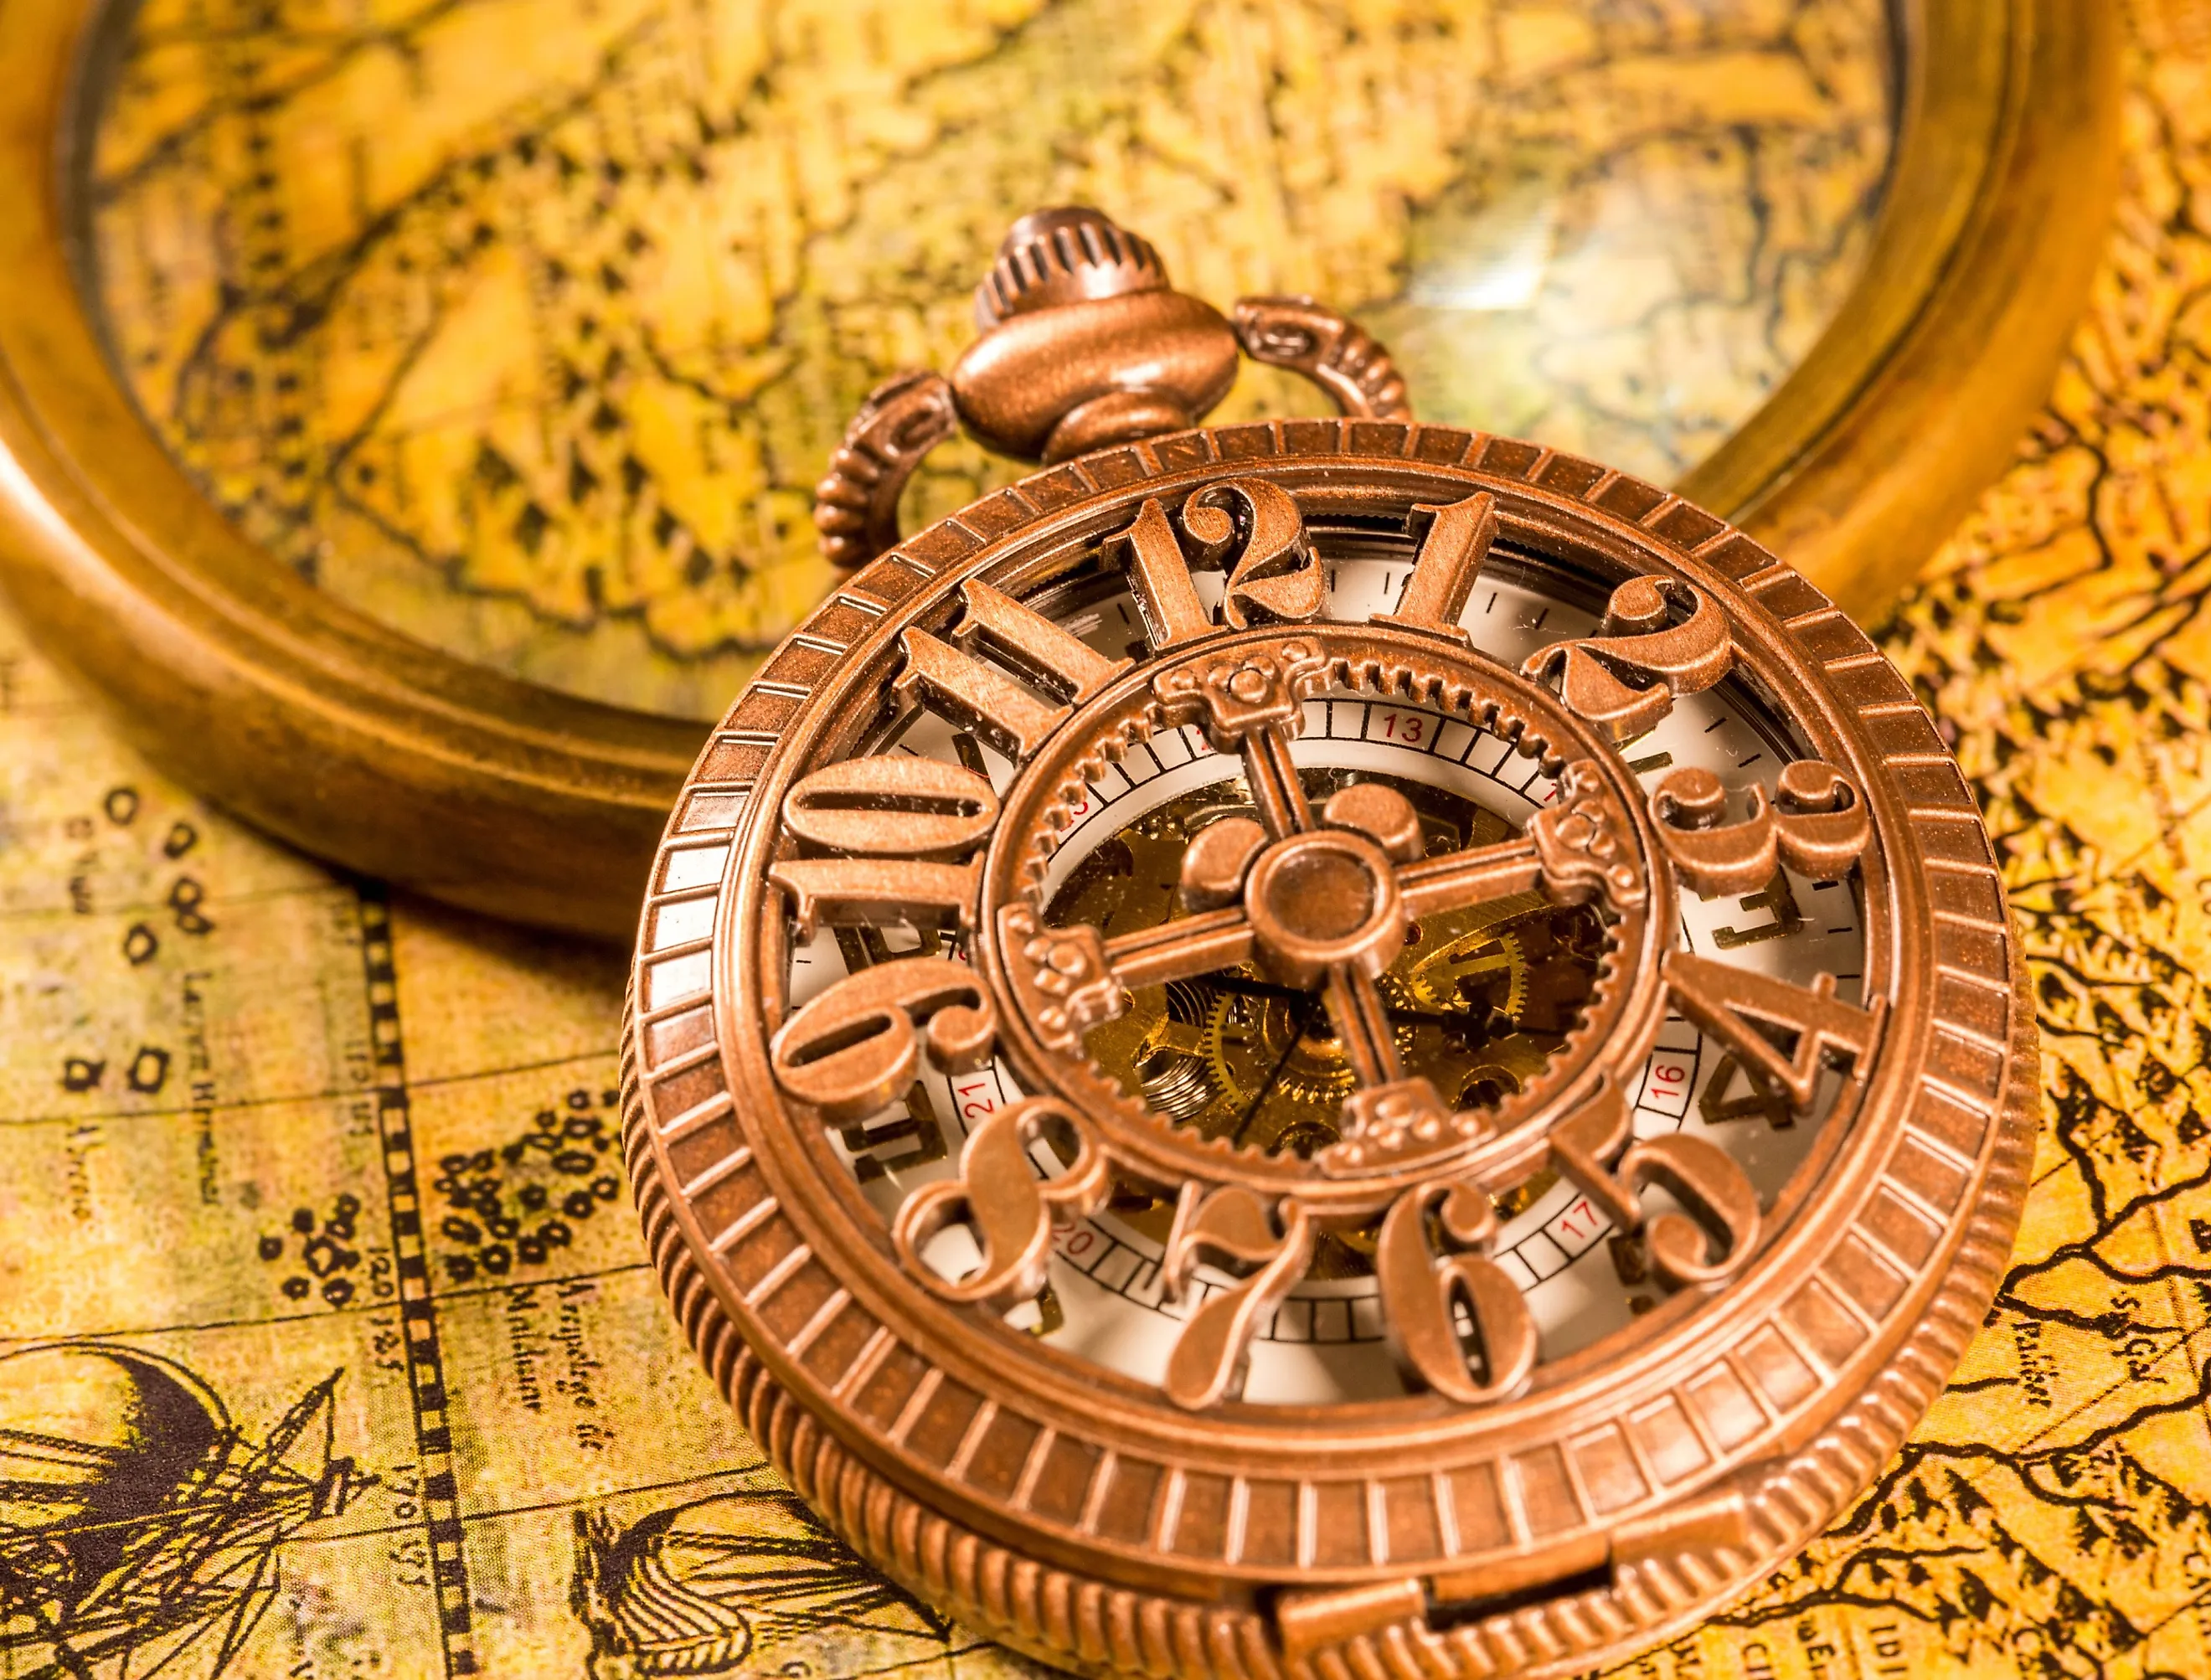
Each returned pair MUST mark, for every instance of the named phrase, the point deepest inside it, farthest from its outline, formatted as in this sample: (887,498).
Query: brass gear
(1485,994)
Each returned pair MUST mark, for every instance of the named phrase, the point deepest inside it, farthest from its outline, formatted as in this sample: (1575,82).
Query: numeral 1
(1158,578)
(878,891)
(1454,542)
(988,697)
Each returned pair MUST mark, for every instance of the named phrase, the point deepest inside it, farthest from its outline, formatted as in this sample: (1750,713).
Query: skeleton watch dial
(1327,1044)
(1400,889)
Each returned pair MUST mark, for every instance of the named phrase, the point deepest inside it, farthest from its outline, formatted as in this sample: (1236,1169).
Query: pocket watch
(1324,1047)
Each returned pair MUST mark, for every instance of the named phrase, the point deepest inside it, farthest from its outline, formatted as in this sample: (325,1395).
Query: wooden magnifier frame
(368,747)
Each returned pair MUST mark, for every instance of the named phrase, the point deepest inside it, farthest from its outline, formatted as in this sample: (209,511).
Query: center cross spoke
(1459,880)
(1324,906)
(1189,946)
(1275,787)
(1180,950)
(1362,1026)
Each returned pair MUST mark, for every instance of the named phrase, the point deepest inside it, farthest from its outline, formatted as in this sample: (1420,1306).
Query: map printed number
(184,901)
(146,1072)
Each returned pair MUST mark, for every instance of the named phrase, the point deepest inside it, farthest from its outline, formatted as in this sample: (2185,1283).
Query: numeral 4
(1744,1010)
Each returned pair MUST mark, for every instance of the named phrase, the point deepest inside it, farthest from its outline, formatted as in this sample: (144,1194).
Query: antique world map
(527,326)
(327,1344)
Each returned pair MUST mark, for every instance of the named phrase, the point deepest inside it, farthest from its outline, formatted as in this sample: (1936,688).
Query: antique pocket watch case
(1324,1047)
(335,729)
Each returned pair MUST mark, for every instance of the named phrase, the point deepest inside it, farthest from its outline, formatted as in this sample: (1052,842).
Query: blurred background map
(328,1346)
(527,326)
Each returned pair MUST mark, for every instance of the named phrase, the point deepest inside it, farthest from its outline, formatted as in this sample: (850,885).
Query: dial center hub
(1314,893)
(1324,899)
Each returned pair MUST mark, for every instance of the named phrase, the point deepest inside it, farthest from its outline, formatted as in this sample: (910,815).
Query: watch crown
(1084,343)
(1065,255)
(1081,343)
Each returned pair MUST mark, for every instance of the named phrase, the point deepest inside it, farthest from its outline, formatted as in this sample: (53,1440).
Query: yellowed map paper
(327,1345)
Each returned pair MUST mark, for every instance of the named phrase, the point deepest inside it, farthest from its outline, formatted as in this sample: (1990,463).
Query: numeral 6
(1421,1290)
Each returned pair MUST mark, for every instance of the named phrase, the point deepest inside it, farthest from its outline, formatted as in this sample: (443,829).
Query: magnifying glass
(412,427)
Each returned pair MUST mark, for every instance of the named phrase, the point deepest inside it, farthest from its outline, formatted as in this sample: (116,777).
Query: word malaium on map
(1315,1047)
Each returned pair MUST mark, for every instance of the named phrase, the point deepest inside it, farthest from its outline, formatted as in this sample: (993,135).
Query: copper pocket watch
(1322,1047)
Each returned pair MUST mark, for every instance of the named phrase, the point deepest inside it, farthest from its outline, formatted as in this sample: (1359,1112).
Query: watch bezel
(1827,681)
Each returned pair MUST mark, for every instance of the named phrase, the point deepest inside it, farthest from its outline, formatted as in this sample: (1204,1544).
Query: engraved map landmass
(527,326)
